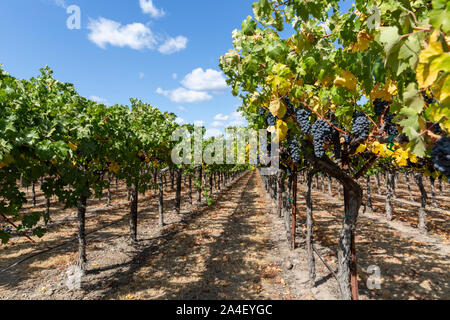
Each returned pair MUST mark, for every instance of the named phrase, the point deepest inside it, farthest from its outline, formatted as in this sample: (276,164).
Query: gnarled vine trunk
(161,202)
(309,231)
(178,192)
(81,217)
(389,191)
(190,189)
(199,189)
(347,272)
(433,192)
(422,213)
(134,198)
(369,194)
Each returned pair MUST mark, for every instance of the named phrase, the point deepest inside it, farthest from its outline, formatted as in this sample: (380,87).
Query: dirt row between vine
(227,252)
(44,277)
(236,249)
(412,265)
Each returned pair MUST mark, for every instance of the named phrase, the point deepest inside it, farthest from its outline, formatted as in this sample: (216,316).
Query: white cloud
(199,123)
(234,119)
(217,124)
(98,100)
(221,117)
(136,35)
(237,120)
(61,3)
(141,75)
(173,45)
(212,133)
(209,80)
(182,95)
(148,7)
(181,108)
(180,121)
(174,76)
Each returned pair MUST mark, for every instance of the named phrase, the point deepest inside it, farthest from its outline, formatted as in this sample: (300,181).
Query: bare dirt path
(228,251)
(412,265)
(224,253)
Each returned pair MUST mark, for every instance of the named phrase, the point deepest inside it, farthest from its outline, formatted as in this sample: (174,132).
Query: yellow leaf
(391,87)
(361,149)
(363,42)
(277,107)
(2,165)
(114,167)
(382,93)
(282,130)
(432,60)
(434,48)
(443,91)
(347,80)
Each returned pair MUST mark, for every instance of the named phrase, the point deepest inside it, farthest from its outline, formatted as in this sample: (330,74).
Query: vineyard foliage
(51,134)
(308,55)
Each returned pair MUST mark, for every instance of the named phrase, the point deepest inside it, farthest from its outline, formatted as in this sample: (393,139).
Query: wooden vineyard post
(294,208)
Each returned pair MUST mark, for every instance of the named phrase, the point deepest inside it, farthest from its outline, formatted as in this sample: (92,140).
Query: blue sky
(163,52)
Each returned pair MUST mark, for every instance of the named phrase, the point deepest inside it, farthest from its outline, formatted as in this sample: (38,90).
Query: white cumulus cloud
(136,35)
(234,119)
(217,124)
(199,123)
(172,45)
(205,80)
(61,3)
(98,100)
(221,117)
(183,95)
(148,7)
(212,133)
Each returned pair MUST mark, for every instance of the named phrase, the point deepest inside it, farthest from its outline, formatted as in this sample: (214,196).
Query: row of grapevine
(349,94)
(73,148)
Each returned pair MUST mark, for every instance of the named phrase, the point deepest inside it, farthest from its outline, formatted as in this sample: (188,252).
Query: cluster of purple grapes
(262,112)
(389,127)
(380,106)
(441,155)
(302,116)
(429,99)
(320,131)
(294,149)
(437,129)
(271,120)
(361,125)
(290,109)
(335,138)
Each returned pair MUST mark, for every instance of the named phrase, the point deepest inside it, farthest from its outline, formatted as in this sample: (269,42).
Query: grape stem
(371,120)
(431,134)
